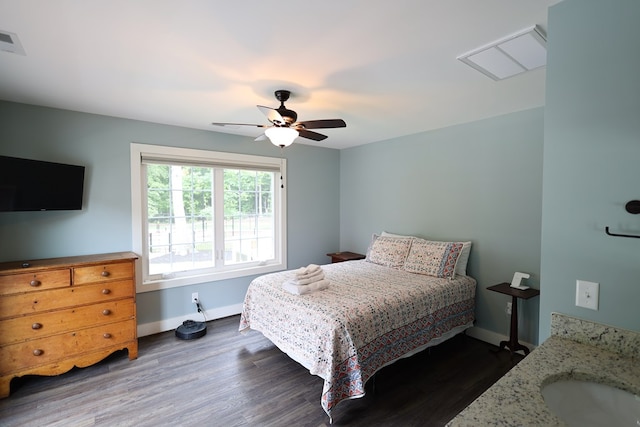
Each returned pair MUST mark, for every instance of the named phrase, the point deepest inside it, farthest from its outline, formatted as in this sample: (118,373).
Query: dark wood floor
(229,379)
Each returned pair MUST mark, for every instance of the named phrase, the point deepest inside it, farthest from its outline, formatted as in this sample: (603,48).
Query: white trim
(492,337)
(192,155)
(151,328)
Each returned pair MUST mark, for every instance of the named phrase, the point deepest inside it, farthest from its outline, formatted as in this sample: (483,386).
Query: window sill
(167,283)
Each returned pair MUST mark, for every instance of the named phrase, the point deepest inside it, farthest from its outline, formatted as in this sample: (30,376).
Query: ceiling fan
(284,127)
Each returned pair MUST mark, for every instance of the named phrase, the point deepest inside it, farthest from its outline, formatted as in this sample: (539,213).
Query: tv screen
(34,185)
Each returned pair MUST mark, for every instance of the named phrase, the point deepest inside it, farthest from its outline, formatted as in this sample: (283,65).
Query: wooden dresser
(64,312)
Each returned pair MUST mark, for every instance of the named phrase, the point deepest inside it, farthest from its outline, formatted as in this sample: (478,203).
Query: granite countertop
(577,349)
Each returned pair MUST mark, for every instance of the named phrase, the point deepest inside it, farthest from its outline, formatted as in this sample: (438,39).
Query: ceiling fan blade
(239,124)
(322,124)
(272,114)
(311,135)
(261,138)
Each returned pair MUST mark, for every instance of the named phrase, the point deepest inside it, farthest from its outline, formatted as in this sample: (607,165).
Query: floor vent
(9,42)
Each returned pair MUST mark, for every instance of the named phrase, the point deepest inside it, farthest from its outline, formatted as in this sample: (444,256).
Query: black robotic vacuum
(190,329)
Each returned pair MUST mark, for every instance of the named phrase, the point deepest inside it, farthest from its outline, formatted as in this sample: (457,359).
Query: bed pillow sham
(432,258)
(389,251)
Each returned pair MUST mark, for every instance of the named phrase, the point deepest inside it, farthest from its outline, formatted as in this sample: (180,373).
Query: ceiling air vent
(9,42)
(518,53)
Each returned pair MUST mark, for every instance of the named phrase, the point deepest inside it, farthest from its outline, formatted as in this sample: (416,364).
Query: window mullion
(218,215)
(145,224)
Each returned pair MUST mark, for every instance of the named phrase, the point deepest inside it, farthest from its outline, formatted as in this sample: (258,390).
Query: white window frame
(214,158)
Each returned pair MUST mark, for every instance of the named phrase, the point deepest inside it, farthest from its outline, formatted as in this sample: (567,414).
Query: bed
(374,312)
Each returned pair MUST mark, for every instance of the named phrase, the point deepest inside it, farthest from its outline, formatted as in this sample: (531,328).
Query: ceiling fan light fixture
(281,136)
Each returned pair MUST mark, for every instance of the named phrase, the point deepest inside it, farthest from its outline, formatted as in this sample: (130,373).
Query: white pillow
(385,234)
(463,259)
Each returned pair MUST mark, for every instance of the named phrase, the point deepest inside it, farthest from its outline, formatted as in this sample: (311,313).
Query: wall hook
(633,206)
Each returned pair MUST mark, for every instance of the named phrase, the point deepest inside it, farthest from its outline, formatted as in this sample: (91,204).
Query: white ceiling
(388,68)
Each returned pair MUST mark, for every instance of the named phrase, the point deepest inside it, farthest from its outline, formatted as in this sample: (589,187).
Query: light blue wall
(591,160)
(102,144)
(478,181)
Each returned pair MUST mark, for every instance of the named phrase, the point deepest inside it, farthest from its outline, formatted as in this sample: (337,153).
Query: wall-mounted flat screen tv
(35,185)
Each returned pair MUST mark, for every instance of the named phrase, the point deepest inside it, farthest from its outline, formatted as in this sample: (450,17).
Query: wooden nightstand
(345,256)
(505,288)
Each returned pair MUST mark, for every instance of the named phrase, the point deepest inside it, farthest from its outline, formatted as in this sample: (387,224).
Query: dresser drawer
(36,326)
(47,350)
(38,302)
(36,281)
(101,273)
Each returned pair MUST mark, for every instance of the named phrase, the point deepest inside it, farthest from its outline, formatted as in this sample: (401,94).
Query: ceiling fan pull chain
(281,158)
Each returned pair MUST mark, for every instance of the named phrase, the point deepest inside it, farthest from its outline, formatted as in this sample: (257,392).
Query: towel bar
(632,236)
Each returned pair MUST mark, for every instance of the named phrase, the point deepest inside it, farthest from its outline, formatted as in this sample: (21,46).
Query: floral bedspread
(369,316)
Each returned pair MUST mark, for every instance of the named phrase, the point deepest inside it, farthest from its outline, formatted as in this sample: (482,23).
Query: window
(200,216)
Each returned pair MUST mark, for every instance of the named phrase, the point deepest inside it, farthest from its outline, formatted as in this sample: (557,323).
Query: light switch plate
(587,294)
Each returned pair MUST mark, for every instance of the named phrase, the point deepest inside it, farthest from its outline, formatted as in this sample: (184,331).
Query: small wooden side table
(505,288)
(345,256)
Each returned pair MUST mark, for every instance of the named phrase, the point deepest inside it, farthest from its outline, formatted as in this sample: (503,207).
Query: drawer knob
(105,273)
(36,326)
(106,291)
(35,283)
(38,352)
(107,335)
(106,312)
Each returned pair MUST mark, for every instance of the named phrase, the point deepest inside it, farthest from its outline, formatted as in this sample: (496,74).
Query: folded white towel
(308,270)
(309,279)
(292,288)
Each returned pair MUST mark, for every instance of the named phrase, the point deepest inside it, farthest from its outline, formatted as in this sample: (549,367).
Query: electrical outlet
(194,297)
(587,294)
(508,309)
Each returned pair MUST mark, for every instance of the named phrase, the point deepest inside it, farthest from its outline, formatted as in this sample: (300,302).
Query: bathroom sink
(584,403)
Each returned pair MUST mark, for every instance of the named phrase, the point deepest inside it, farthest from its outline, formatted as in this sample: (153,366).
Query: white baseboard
(151,328)
(491,337)
(231,310)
